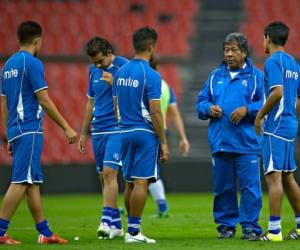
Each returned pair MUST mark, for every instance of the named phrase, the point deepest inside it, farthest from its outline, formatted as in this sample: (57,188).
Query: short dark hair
(278,32)
(98,44)
(28,31)
(143,37)
(240,39)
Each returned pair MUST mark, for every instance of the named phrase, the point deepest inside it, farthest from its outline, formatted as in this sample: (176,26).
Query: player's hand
(106,76)
(164,152)
(238,114)
(184,147)
(71,135)
(9,149)
(258,123)
(81,144)
(215,111)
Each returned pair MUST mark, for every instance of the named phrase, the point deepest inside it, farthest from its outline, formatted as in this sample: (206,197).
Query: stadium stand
(260,13)
(65,31)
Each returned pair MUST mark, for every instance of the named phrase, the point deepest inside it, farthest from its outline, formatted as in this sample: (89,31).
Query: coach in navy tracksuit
(230,98)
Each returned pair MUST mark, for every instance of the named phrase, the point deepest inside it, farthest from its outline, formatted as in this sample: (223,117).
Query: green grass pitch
(190,226)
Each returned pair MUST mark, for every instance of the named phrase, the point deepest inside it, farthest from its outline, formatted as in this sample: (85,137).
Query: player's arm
(88,116)
(298,106)
(176,117)
(204,104)
(51,110)
(116,108)
(274,97)
(4,112)
(158,124)
(251,109)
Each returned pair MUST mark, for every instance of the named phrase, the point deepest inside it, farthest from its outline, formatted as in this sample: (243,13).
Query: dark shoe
(248,234)
(294,235)
(226,233)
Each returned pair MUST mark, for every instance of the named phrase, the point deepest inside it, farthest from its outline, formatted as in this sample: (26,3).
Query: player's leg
(127,195)
(225,209)
(33,195)
(10,203)
(158,193)
(273,152)
(292,189)
(111,167)
(248,172)
(143,170)
(22,148)
(99,144)
(34,203)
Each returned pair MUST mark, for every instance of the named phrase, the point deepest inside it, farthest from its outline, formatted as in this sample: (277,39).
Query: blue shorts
(278,155)
(107,148)
(140,155)
(26,165)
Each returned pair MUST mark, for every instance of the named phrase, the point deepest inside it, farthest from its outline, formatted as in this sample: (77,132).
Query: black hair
(144,37)
(28,31)
(240,39)
(278,32)
(98,44)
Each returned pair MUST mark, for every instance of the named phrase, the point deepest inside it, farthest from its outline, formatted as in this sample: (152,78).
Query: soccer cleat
(268,237)
(161,215)
(6,240)
(226,233)
(54,239)
(248,234)
(294,235)
(139,238)
(115,232)
(103,231)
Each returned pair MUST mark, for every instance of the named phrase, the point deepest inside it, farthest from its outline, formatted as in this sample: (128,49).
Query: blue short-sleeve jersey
(101,92)
(22,76)
(135,85)
(281,69)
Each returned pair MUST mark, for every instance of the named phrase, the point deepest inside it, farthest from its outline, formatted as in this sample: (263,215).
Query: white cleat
(139,238)
(103,231)
(115,232)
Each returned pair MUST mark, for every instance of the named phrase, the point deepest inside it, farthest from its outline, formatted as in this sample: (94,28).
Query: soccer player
(168,107)
(230,98)
(24,98)
(138,89)
(105,131)
(282,86)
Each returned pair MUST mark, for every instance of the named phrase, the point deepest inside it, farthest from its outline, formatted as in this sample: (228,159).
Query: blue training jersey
(101,92)
(281,69)
(135,85)
(22,76)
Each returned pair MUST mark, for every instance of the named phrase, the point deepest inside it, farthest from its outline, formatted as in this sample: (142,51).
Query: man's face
(234,57)
(101,61)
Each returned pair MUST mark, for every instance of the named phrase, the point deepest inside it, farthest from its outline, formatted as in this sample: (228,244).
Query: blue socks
(134,225)
(297,219)
(274,224)
(107,213)
(44,229)
(3,227)
(162,205)
(116,218)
